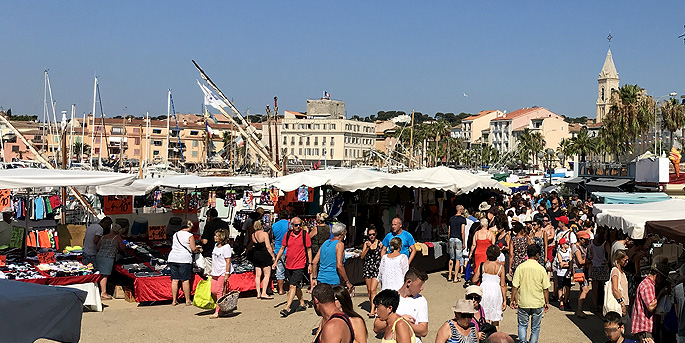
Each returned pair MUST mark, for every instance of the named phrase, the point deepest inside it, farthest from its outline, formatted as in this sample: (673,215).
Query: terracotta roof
(518,113)
(574,127)
(594,125)
(520,128)
(479,114)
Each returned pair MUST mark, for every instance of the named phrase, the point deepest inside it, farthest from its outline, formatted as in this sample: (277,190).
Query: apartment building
(473,126)
(505,129)
(323,134)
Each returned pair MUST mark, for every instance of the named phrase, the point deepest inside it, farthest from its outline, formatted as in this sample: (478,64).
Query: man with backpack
(297,257)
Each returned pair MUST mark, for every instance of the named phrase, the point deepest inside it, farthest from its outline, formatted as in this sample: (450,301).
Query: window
(155,152)
(345,152)
(331,153)
(287,126)
(300,153)
(324,126)
(174,133)
(157,143)
(195,144)
(285,140)
(15,148)
(136,152)
(308,140)
(136,140)
(316,151)
(117,130)
(194,153)
(332,140)
(309,126)
(332,126)
(309,152)
(97,140)
(157,131)
(136,130)
(97,151)
(301,139)
(194,133)
(292,140)
(323,141)
(316,141)
(292,151)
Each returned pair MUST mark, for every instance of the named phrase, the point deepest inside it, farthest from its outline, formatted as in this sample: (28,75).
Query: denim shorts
(181,271)
(280,268)
(455,248)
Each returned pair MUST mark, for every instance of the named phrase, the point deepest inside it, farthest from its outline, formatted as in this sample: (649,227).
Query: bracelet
(620,300)
(313,278)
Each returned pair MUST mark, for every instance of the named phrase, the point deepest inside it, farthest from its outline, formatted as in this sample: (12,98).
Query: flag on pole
(239,141)
(326,95)
(210,98)
(209,130)
(209,115)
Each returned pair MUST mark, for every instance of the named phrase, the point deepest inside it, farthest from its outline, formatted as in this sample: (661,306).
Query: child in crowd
(613,328)
(563,274)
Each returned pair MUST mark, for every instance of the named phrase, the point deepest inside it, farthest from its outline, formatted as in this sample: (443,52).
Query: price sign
(3,259)
(156,233)
(5,199)
(46,257)
(17,238)
(118,205)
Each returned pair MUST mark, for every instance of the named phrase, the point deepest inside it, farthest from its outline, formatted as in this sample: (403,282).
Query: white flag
(210,98)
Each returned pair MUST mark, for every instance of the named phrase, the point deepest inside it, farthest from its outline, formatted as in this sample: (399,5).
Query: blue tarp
(629,198)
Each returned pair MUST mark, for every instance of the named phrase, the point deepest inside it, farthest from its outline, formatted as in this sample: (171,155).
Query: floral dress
(371,262)
(520,245)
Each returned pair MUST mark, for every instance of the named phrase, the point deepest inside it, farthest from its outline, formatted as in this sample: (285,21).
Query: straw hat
(463,306)
(484,206)
(474,289)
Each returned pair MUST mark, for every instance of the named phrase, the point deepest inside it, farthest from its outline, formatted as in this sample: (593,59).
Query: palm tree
(438,129)
(581,144)
(530,143)
(630,115)
(674,116)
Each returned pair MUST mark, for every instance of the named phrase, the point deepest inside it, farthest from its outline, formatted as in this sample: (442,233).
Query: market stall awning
(144,186)
(606,184)
(33,177)
(629,198)
(672,229)
(448,179)
(631,218)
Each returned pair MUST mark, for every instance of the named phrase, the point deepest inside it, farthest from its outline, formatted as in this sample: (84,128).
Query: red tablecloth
(65,280)
(158,288)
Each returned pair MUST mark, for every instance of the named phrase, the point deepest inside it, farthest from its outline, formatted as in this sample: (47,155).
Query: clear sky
(374,55)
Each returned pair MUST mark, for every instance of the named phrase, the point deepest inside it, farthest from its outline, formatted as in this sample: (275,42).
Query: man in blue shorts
(406,237)
(279,229)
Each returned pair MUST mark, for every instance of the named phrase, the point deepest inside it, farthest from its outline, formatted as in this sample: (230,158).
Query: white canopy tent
(631,218)
(33,177)
(350,180)
(144,186)
(447,179)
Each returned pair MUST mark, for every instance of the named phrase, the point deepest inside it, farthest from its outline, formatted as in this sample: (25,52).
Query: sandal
(105,297)
(285,312)
(581,315)
(371,315)
(266,298)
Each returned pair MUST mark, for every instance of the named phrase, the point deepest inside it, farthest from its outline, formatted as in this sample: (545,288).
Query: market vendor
(6,225)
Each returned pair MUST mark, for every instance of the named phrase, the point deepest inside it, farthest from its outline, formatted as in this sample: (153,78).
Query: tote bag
(610,303)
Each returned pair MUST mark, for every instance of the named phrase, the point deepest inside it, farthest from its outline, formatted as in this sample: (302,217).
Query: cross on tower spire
(609,39)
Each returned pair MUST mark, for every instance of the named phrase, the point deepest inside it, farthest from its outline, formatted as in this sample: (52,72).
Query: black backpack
(304,243)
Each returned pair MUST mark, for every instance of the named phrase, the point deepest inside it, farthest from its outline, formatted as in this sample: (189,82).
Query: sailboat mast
(92,129)
(168,115)
(83,135)
(71,132)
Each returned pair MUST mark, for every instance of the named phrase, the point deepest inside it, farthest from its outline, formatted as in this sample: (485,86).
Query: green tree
(582,144)
(76,147)
(529,144)
(674,116)
(438,129)
(630,115)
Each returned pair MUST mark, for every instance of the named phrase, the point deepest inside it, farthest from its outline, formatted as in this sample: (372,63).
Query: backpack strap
(345,318)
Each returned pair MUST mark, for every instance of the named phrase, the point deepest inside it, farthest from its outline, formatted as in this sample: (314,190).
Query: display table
(93,300)
(64,280)
(158,288)
(33,311)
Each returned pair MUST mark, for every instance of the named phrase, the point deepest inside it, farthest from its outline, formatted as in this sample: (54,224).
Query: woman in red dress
(482,239)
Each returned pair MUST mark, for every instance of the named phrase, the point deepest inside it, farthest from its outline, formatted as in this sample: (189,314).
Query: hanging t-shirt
(39,208)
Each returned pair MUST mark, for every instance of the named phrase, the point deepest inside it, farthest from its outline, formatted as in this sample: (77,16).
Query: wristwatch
(620,300)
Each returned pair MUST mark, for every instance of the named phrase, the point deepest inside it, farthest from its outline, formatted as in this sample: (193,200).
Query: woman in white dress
(393,267)
(494,287)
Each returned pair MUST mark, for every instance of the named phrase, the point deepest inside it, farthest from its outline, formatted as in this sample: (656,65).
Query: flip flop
(267,298)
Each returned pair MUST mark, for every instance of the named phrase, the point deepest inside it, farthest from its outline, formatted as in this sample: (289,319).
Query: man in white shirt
(6,226)
(413,306)
(90,242)
(564,231)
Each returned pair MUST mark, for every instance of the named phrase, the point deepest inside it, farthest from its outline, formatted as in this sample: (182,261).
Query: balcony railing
(607,169)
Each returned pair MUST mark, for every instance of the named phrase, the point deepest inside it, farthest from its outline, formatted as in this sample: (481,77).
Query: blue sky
(374,55)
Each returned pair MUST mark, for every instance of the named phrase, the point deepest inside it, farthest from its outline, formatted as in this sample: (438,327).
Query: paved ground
(259,321)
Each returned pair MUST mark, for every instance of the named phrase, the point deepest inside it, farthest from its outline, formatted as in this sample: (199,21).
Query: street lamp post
(548,157)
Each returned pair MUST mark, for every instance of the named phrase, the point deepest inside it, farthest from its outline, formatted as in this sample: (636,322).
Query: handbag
(229,301)
(610,303)
(578,275)
(203,295)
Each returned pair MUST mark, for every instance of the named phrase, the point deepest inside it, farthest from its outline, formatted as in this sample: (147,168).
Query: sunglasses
(372,234)
(473,297)
(297,224)
(466,315)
